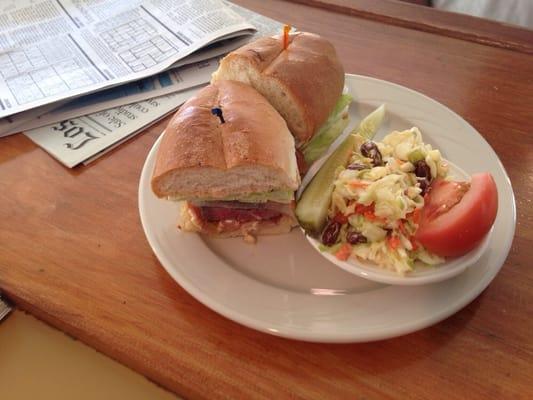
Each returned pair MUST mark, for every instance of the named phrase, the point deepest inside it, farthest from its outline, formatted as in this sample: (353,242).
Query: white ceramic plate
(282,286)
(421,275)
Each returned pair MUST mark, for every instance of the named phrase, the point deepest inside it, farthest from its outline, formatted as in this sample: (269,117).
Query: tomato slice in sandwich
(457,215)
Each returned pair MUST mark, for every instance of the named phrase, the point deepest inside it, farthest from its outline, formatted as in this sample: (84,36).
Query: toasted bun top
(200,157)
(308,72)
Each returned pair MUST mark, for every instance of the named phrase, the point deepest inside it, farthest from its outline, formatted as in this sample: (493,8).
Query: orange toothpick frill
(286,30)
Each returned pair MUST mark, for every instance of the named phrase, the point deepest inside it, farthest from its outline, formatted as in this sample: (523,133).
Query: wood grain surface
(74,254)
(413,16)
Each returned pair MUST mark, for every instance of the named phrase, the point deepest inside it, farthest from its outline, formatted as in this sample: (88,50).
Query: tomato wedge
(455,217)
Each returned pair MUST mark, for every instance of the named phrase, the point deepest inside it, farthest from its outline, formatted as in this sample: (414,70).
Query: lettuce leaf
(332,128)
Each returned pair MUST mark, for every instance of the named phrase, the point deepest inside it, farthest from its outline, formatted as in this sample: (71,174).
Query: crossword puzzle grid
(148,50)
(30,78)
(148,54)
(124,35)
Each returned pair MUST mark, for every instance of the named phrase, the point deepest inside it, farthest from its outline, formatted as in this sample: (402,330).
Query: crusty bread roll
(303,83)
(190,223)
(251,152)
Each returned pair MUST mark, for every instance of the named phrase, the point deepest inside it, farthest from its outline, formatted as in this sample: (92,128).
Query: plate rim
(313,336)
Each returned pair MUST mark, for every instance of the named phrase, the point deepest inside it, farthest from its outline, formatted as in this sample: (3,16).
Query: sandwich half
(236,173)
(303,82)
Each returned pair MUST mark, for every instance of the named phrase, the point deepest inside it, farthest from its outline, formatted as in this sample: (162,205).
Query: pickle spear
(312,208)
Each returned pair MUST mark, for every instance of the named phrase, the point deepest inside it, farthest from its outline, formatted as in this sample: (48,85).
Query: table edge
(427,19)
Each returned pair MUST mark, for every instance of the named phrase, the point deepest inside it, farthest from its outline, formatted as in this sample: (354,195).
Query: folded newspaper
(84,139)
(191,71)
(5,309)
(169,81)
(74,141)
(56,50)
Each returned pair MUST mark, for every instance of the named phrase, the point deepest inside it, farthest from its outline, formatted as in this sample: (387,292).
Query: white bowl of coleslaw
(393,190)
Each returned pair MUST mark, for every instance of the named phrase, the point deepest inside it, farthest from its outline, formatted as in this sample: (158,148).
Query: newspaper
(52,50)
(144,88)
(174,80)
(84,139)
(74,141)
(203,60)
(5,309)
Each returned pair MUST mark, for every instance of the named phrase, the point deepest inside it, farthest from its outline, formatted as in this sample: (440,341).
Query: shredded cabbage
(380,201)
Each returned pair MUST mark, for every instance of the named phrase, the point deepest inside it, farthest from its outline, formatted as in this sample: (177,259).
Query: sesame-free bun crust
(252,152)
(303,82)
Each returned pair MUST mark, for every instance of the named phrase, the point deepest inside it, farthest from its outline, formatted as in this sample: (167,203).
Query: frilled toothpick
(218,112)
(286,30)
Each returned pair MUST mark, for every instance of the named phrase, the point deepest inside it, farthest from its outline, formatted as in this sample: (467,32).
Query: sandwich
(230,158)
(303,81)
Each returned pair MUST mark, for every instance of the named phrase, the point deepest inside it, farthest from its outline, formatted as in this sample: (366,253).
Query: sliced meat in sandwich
(230,156)
(303,82)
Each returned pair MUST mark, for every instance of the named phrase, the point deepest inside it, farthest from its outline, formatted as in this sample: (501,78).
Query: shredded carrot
(370,216)
(368,212)
(344,252)
(340,218)
(362,209)
(413,243)
(393,242)
(358,184)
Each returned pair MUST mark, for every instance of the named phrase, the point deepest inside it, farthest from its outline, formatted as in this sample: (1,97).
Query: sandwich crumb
(249,238)
(248,232)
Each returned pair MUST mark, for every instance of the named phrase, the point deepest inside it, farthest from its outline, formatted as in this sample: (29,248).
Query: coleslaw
(377,201)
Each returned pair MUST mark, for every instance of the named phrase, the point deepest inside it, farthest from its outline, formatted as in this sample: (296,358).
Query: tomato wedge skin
(459,230)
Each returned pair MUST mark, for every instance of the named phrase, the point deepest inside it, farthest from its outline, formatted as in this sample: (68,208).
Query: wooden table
(73,253)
